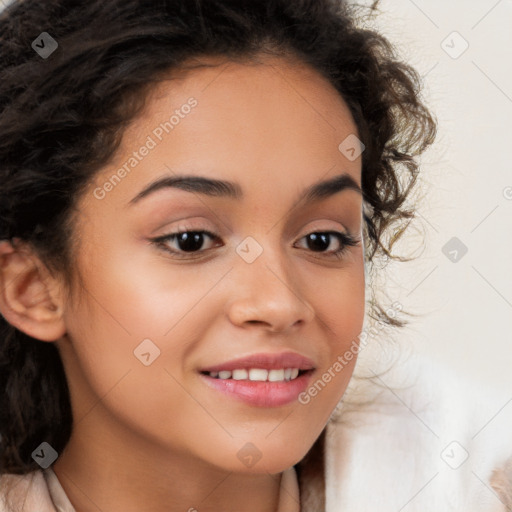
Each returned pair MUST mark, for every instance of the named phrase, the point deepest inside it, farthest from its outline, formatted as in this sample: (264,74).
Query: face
(260,269)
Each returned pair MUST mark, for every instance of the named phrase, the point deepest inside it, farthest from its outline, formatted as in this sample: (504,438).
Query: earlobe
(30,298)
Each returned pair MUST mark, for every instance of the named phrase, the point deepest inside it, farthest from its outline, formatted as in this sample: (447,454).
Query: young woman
(192,194)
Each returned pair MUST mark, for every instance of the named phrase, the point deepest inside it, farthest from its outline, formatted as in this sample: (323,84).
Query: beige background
(466,305)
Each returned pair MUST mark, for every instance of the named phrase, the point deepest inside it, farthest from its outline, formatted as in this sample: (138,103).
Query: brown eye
(185,241)
(319,241)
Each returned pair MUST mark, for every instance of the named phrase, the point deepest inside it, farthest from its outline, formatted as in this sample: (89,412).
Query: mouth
(255,386)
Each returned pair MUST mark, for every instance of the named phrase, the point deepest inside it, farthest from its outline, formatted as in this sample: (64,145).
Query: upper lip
(267,361)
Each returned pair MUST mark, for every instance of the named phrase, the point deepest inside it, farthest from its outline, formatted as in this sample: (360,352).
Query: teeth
(239,374)
(275,375)
(258,374)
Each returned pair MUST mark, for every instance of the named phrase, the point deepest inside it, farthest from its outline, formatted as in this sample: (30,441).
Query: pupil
(190,243)
(315,238)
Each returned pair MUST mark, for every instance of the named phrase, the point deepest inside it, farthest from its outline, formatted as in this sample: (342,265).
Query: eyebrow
(220,188)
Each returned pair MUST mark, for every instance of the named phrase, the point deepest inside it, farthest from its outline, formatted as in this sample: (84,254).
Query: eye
(320,240)
(191,241)
(187,241)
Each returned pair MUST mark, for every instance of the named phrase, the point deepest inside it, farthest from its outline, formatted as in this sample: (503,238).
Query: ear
(30,297)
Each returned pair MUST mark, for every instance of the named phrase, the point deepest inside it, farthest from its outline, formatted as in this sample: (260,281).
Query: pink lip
(261,393)
(267,361)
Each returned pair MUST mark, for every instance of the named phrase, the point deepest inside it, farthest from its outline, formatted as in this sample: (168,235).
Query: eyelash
(346,240)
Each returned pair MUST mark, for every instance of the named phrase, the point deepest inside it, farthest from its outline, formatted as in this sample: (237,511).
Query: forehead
(289,89)
(274,124)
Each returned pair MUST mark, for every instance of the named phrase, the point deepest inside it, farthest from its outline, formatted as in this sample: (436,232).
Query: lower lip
(261,393)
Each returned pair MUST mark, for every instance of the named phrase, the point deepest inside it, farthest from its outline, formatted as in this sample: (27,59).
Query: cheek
(343,306)
(128,299)
(341,309)
(103,365)
(340,302)
(134,291)
(119,307)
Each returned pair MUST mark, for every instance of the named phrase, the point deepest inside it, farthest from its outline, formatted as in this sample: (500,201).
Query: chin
(253,461)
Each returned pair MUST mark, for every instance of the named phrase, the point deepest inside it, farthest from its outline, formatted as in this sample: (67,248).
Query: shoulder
(425,439)
(24,493)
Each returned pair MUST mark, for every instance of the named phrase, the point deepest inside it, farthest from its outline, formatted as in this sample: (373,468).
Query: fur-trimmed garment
(431,442)
(425,442)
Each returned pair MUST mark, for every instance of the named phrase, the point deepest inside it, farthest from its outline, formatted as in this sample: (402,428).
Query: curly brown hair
(62,119)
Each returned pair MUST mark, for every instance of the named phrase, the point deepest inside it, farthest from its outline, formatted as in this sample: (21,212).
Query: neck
(121,474)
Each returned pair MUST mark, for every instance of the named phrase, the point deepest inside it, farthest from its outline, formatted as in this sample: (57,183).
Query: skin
(156,437)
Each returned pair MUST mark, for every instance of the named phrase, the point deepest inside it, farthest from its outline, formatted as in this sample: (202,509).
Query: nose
(267,292)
